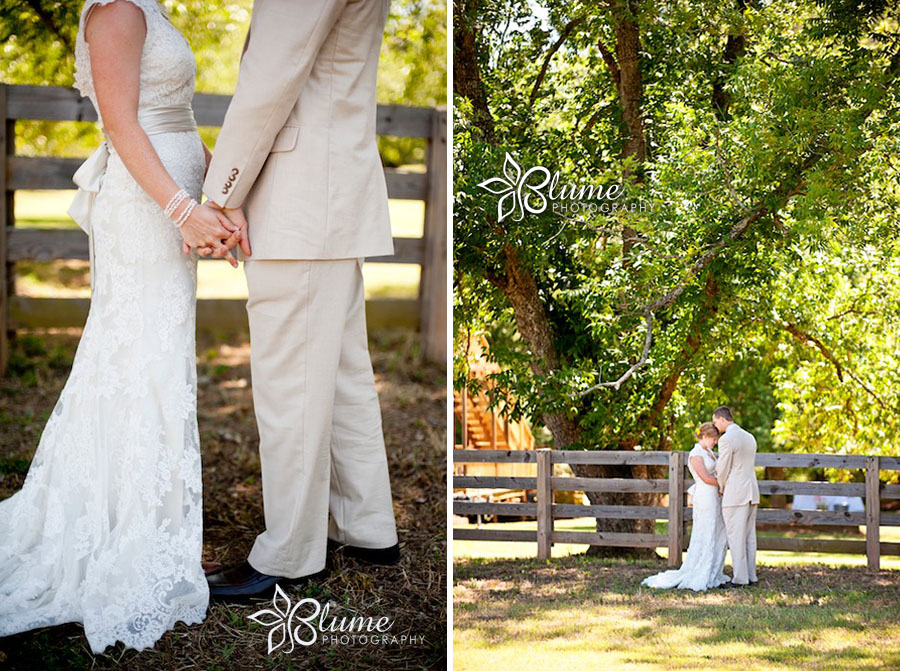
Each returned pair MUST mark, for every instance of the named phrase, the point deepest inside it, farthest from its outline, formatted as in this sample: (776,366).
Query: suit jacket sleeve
(246,44)
(726,459)
(275,64)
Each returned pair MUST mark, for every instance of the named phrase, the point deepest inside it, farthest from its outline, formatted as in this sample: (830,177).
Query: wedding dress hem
(107,529)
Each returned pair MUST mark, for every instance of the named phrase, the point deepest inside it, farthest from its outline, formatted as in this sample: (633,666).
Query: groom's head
(722,417)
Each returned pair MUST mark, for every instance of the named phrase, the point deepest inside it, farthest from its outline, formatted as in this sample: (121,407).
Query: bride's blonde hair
(707,429)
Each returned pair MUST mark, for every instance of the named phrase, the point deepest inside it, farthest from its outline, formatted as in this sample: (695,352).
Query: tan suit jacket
(297,148)
(735,467)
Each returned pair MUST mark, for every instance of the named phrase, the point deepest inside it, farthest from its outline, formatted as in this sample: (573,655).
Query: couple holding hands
(107,528)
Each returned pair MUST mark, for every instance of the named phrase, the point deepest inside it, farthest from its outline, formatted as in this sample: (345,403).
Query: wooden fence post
(873,513)
(7,148)
(676,507)
(433,283)
(544,502)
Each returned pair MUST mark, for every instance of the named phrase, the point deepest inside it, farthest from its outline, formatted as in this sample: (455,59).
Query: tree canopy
(38,38)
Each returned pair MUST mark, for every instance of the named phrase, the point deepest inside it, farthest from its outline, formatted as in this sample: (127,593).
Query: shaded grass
(589,612)
(412,593)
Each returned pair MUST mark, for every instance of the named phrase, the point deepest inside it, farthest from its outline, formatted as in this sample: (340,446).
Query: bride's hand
(209,228)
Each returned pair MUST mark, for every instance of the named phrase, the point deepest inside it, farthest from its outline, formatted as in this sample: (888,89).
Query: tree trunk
(619,499)
(466,71)
(531,321)
(630,88)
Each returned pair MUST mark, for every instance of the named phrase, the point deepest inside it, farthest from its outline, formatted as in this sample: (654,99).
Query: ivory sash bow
(89,176)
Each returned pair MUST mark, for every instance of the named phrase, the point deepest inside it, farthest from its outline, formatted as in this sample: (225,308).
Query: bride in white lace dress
(107,529)
(705,559)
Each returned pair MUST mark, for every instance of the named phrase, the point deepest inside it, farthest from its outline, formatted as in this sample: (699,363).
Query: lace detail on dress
(168,67)
(107,528)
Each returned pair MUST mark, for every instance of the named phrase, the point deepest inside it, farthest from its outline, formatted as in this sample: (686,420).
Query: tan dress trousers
(740,529)
(321,443)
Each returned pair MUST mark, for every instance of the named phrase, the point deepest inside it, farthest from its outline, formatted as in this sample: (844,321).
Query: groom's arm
(276,63)
(723,465)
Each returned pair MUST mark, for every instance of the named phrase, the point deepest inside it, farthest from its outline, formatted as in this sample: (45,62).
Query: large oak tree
(761,270)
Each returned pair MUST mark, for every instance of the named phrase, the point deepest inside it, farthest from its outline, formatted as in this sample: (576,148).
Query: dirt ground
(412,593)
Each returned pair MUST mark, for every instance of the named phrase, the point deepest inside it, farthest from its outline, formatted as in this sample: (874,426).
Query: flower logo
(511,188)
(279,619)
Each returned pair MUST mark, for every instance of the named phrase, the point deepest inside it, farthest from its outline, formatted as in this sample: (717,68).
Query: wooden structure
(428,313)
(481,428)
(545,510)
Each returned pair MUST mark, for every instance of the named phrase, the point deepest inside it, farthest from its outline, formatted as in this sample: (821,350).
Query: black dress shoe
(730,585)
(241,583)
(381,556)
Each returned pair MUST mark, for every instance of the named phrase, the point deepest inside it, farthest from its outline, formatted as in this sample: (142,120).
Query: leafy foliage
(38,38)
(789,319)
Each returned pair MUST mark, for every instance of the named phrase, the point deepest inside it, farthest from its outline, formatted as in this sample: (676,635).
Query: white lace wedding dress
(107,529)
(705,558)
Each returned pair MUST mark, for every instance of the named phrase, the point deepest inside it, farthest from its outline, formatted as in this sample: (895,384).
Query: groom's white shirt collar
(730,427)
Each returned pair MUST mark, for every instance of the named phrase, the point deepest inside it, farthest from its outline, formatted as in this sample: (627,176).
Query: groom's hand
(236,217)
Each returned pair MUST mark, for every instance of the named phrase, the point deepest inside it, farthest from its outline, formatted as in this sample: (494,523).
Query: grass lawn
(216,279)
(810,611)
(585,613)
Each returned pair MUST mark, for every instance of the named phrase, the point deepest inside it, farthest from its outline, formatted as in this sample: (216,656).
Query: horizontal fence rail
(427,313)
(545,510)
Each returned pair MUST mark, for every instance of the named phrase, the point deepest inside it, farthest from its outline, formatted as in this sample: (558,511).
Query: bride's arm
(208,157)
(116,34)
(700,468)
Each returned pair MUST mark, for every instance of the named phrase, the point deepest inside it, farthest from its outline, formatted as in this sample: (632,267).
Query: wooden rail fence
(545,511)
(428,313)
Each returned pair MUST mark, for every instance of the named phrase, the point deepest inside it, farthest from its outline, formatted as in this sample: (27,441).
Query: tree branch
(648,341)
(47,20)
(806,338)
(867,389)
(610,61)
(781,195)
(566,31)
(778,197)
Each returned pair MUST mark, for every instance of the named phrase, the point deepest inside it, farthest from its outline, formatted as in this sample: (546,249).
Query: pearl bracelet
(175,201)
(186,213)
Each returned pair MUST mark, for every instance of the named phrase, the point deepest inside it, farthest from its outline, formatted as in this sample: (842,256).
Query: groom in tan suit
(297,154)
(740,494)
